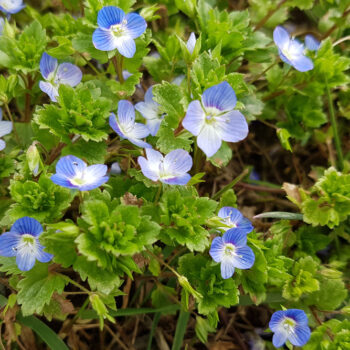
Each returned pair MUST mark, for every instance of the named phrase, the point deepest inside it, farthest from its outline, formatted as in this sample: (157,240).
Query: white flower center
(27,244)
(119,29)
(9,4)
(288,325)
(230,250)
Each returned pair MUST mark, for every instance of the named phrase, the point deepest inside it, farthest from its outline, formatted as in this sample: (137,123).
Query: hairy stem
(118,66)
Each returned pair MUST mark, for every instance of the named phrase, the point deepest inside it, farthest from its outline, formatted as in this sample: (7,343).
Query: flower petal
(95,171)
(177,162)
(139,143)
(281,37)
(276,319)
(49,89)
(232,126)
(126,112)
(227,268)
(302,63)
(236,237)
(153,126)
(245,258)
(191,43)
(150,166)
(298,315)
(110,15)
(97,182)
(194,118)
(217,249)
(113,122)
(126,46)
(8,243)
(2,145)
(104,40)
(149,95)
(148,110)
(69,74)
(25,260)
(177,180)
(62,180)
(279,338)
(220,96)
(5,127)
(70,166)
(208,140)
(139,131)
(12,7)
(312,43)
(230,212)
(48,65)
(41,255)
(135,25)
(27,225)
(300,336)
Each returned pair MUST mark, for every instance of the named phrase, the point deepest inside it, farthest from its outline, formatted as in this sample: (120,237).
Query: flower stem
(68,279)
(333,121)
(197,158)
(269,15)
(118,66)
(231,184)
(13,123)
(156,198)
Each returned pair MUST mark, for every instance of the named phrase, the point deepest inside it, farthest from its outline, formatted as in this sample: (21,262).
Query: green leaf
(180,331)
(284,135)
(222,157)
(202,329)
(37,288)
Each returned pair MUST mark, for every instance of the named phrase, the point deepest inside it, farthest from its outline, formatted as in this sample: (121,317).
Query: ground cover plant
(175,174)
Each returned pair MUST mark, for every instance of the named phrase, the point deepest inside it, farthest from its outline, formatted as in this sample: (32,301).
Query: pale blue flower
(10,7)
(171,169)
(56,74)
(214,119)
(5,128)
(292,325)
(73,173)
(233,218)
(125,126)
(22,242)
(291,50)
(118,31)
(150,111)
(232,252)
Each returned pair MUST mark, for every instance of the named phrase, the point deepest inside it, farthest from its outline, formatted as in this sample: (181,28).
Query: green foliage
(184,216)
(42,200)
(328,201)
(81,111)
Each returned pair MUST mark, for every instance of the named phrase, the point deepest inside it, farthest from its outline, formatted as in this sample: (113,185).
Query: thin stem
(68,279)
(341,40)
(269,15)
(27,110)
(118,66)
(13,123)
(231,184)
(197,157)
(90,64)
(335,128)
(156,198)
(317,319)
(189,79)
(163,263)
(261,74)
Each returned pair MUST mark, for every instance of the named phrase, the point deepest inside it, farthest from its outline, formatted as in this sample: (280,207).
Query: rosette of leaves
(79,111)
(205,277)
(328,201)
(42,200)
(184,214)
(113,232)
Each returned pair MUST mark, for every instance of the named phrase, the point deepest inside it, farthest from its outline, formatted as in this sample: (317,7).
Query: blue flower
(191,43)
(231,251)
(291,50)
(171,169)
(214,119)
(10,7)
(23,243)
(72,172)
(56,74)
(150,111)
(126,127)
(292,325)
(115,169)
(118,31)
(233,218)
(312,43)
(5,129)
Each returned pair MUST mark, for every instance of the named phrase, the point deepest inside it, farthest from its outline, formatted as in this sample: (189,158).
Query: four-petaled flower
(125,126)
(291,50)
(23,243)
(10,7)
(312,43)
(232,252)
(72,172)
(171,169)
(191,43)
(150,111)
(233,218)
(292,325)
(118,31)
(5,129)
(214,119)
(56,74)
